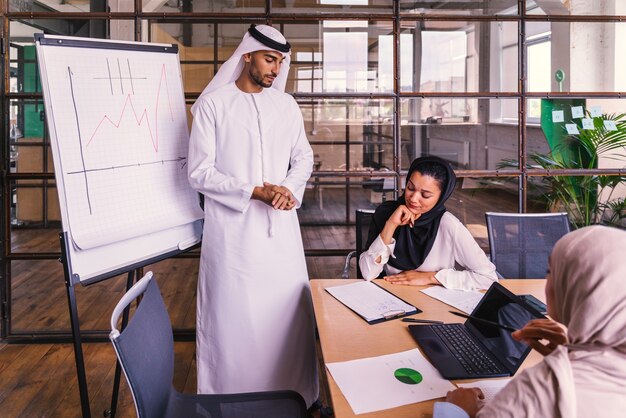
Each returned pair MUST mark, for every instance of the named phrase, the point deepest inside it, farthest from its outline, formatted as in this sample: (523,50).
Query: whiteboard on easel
(119,136)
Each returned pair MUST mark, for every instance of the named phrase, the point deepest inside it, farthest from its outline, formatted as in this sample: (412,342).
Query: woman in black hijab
(417,242)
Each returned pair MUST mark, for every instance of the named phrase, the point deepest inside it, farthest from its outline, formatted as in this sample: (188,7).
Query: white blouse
(454,246)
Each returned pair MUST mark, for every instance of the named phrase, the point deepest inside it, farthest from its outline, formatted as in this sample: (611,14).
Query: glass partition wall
(507,91)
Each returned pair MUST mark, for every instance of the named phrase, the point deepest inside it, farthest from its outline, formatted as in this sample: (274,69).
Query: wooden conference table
(345,336)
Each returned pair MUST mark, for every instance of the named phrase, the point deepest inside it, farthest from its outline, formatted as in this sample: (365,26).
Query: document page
(463,300)
(377,383)
(489,387)
(370,301)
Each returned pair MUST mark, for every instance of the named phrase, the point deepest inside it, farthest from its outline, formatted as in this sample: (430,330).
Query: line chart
(116,123)
(139,120)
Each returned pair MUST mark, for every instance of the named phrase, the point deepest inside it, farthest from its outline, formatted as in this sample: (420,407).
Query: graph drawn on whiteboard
(121,125)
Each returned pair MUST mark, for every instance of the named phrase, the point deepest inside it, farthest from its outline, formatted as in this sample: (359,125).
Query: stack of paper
(463,300)
(370,301)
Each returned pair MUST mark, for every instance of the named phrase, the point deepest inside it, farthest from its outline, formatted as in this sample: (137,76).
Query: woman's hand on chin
(413,278)
(403,216)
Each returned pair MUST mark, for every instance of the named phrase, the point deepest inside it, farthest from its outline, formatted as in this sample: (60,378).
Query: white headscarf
(588,277)
(231,69)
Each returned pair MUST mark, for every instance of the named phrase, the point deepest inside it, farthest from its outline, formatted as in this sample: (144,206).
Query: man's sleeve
(203,176)
(301,160)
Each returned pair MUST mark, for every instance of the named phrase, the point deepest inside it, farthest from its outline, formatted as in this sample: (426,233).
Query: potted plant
(586,199)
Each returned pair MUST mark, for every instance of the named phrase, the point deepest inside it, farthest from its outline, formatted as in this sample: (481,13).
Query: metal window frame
(282,17)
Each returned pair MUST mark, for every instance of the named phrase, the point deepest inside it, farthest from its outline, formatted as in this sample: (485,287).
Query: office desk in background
(345,336)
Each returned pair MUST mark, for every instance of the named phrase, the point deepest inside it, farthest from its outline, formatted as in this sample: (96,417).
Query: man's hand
(278,197)
(468,399)
(413,278)
(283,198)
(542,329)
(264,194)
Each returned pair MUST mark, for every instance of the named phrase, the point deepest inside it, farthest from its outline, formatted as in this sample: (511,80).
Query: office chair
(145,349)
(363,220)
(520,243)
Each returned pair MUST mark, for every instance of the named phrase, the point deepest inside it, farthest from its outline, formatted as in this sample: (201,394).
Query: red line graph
(154,138)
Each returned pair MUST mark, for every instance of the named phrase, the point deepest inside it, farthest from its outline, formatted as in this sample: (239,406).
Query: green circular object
(408,376)
(559,75)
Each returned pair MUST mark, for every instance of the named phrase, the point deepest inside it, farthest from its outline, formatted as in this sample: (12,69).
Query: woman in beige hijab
(584,374)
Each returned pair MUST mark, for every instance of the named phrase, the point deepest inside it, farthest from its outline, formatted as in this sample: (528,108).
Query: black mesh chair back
(363,220)
(145,349)
(520,244)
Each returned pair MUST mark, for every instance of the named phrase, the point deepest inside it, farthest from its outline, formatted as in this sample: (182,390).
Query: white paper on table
(463,300)
(557,116)
(489,387)
(370,384)
(369,300)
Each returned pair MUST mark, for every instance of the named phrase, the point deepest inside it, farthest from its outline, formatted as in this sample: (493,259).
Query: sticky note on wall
(572,129)
(577,112)
(610,125)
(588,123)
(595,111)
(557,116)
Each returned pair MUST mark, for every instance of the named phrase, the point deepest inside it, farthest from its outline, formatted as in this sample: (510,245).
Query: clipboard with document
(371,302)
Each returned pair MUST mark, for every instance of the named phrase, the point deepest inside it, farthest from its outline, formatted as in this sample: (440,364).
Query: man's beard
(258,78)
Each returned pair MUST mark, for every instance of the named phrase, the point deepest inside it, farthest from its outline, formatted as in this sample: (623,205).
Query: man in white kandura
(250,158)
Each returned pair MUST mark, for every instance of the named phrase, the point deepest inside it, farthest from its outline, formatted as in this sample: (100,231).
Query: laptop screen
(499,305)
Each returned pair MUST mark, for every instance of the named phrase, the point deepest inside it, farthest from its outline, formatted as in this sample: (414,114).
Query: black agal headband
(267,41)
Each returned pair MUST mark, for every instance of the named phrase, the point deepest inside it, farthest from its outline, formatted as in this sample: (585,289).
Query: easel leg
(118,368)
(78,351)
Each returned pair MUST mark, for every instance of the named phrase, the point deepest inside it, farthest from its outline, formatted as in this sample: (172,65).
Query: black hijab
(414,243)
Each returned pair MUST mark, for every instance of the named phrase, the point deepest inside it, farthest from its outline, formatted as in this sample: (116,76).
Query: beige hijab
(587,376)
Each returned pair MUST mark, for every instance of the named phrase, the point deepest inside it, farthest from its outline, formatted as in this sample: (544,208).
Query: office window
(464,7)
(309,72)
(446,57)
(445,69)
(345,62)
(538,67)
(539,71)
(385,65)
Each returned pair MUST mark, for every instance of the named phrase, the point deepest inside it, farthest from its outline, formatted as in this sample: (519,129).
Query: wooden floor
(38,380)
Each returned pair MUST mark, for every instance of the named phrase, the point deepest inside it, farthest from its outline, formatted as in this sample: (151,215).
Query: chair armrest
(132,294)
(346,267)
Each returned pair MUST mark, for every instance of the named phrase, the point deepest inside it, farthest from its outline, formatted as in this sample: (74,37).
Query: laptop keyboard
(471,356)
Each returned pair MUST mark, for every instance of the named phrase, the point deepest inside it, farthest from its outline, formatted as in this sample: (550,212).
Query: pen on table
(421,321)
(484,321)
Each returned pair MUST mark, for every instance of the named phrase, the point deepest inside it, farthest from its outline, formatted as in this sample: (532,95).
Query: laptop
(475,349)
